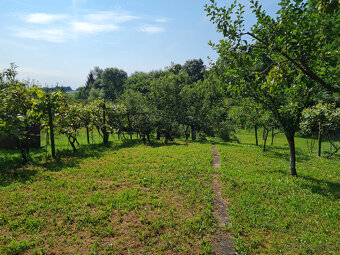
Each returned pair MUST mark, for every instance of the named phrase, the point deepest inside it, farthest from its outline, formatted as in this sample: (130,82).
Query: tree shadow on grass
(12,169)
(283,153)
(10,159)
(17,175)
(325,188)
(68,158)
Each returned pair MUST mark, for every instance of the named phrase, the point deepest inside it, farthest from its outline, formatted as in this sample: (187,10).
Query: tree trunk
(167,137)
(50,123)
(23,153)
(319,140)
(129,126)
(291,142)
(88,135)
(193,133)
(47,139)
(104,131)
(187,134)
(273,134)
(72,141)
(256,139)
(27,145)
(265,136)
(158,135)
(263,133)
(105,137)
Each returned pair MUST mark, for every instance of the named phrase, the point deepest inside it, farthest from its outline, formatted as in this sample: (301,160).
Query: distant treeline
(57,88)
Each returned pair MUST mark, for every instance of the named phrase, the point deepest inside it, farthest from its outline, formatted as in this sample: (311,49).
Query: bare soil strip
(223,243)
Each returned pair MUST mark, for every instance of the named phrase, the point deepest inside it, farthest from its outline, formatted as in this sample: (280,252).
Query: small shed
(12,142)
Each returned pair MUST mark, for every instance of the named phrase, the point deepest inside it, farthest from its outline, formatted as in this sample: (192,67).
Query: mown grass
(127,198)
(274,213)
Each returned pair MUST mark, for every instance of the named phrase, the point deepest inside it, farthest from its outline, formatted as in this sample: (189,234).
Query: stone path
(223,242)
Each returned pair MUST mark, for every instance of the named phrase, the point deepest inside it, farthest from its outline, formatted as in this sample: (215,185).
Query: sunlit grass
(126,198)
(273,212)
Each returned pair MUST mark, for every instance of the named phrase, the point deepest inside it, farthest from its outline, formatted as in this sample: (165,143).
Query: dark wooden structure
(12,142)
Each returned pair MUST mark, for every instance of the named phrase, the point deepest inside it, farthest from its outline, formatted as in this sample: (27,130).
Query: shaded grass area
(122,199)
(11,159)
(274,213)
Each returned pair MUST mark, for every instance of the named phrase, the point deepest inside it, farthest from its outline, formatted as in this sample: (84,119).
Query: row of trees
(279,75)
(286,64)
(111,82)
(172,103)
(178,100)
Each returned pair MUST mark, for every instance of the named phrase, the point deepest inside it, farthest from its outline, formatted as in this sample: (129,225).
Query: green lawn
(273,212)
(130,198)
(127,198)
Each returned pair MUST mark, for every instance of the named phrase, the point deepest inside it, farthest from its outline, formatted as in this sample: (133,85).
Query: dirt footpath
(223,242)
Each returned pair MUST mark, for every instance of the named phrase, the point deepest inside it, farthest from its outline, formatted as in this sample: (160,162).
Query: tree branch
(302,66)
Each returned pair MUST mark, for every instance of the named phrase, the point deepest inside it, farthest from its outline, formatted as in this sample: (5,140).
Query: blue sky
(61,41)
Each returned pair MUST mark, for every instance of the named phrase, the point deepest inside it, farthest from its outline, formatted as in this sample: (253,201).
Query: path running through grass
(223,242)
(130,198)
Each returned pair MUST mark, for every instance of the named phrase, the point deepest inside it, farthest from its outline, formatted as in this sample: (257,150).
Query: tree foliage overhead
(299,35)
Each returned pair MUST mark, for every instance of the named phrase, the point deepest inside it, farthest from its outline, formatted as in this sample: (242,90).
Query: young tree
(195,113)
(18,113)
(280,69)
(165,97)
(248,114)
(321,120)
(85,115)
(116,118)
(49,106)
(70,122)
(140,114)
(99,118)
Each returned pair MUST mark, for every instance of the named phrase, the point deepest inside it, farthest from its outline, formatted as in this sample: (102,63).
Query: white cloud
(44,18)
(104,21)
(50,35)
(110,16)
(152,29)
(69,25)
(162,20)
(87,27)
